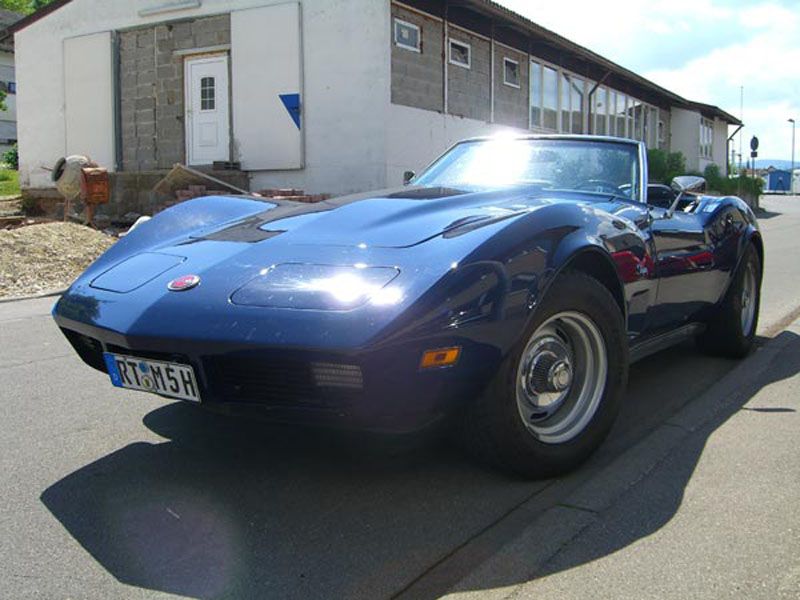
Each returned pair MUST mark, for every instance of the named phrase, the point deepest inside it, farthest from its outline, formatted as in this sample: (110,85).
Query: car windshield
(595,166)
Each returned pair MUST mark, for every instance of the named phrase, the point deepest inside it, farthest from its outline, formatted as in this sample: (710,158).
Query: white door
(207,110)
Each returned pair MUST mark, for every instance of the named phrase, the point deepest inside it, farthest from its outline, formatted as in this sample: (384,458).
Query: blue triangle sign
(292,104)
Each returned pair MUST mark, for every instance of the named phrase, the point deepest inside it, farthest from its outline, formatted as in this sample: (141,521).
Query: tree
(24,7)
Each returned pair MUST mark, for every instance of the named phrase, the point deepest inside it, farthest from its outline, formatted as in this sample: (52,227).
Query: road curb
(523,557)
(47,294)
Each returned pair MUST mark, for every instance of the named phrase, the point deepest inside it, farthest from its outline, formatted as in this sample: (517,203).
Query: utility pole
(791,173)
(741,118)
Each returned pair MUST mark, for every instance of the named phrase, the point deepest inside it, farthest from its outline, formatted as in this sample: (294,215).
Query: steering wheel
(598,185)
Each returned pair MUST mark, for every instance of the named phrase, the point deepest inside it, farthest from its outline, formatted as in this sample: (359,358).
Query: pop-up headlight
(320,287)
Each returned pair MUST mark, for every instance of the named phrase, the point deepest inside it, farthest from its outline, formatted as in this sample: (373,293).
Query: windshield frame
(641,193)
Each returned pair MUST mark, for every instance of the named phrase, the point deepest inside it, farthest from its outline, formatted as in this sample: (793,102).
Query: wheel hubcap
(561,377)
(749,291)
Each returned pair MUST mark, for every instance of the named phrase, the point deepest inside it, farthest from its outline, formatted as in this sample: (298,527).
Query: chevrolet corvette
(505,290)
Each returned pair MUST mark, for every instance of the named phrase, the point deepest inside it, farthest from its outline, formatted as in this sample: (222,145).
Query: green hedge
(746,187)
(663,166)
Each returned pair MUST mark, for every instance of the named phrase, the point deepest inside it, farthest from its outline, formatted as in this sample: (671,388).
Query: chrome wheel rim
(749,291)
(561,377)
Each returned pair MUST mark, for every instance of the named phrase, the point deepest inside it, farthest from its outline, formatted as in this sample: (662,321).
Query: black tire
(494,428)
(726,334)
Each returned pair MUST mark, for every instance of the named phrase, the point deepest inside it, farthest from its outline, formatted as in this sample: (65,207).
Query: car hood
(396,218)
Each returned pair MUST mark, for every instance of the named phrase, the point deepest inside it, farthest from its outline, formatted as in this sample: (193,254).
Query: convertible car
(504,291)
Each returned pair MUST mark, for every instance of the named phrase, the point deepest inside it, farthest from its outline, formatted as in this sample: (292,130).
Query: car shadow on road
(643,510)
(232,508)
(764,214)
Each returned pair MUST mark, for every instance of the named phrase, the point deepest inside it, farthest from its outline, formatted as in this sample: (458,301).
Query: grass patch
(9,182)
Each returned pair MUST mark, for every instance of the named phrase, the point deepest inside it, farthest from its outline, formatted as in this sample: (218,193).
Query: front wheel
(557,393)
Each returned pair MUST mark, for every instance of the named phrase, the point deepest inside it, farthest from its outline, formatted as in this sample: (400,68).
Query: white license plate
(167,379)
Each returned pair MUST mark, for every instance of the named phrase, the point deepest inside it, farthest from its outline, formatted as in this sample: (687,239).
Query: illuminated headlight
(321,287)
(336,375)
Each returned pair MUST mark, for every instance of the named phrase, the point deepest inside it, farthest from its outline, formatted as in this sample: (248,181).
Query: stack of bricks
(197,191)
(293,195)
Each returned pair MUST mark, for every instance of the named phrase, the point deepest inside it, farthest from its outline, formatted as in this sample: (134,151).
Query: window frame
(511,84)
(397,42)
(706,146)
(208,94)
(450,43)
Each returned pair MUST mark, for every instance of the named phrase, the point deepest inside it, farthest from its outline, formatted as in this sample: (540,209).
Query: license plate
(167,379)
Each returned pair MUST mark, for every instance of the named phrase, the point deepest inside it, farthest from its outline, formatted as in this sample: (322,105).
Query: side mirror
(408,176)
(682,185)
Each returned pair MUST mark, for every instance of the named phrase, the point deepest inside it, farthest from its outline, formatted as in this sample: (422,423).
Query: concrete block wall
(152,88)
(469,90)
(510,103)
(418,77)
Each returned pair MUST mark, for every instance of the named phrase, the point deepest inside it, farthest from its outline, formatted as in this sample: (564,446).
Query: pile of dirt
(45,257)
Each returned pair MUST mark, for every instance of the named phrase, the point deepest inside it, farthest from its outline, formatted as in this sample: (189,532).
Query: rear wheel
(732,330)
(556,395)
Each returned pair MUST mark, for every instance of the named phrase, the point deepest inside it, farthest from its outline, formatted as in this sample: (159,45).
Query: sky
(704,50)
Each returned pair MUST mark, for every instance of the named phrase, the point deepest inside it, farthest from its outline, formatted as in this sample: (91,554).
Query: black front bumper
(381,389)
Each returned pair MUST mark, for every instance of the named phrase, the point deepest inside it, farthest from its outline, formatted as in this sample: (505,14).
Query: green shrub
(9,183)
(11,158)
(663,167)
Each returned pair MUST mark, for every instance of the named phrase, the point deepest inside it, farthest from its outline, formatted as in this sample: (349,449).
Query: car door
(686,267)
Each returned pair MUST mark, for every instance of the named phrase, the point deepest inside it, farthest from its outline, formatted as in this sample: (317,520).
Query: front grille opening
(284,382)
(332,375)
(89,349)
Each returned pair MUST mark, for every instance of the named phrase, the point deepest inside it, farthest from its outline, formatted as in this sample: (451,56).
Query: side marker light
(442,357)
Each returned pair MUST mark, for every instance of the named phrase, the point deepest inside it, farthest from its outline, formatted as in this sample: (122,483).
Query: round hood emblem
(181,284)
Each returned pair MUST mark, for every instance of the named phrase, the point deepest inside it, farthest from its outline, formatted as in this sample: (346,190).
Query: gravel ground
(48,256)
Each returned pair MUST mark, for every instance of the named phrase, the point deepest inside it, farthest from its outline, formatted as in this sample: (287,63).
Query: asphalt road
(119,494)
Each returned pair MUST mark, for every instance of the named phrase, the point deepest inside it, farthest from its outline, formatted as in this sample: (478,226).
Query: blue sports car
(505,290)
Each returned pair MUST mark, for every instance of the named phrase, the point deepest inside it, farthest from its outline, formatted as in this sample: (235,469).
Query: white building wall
(719,150)
(416,137)
(686,136)
(346,54)
(9,116)
(7,62)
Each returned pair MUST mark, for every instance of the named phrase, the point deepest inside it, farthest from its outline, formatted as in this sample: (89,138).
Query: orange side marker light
(443,357)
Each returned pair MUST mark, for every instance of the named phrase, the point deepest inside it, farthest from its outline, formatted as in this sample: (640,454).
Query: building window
(11,87)
(511,73)
(536,94)
(706,139)
(652,139)
(636,110)
(601,111)
(208,93)
(621,116)
(577,94)
(407,36)
(662,134)
(460,54)
(550,98)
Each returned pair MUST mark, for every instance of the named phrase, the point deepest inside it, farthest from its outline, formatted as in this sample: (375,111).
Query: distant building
(8,80)
(326,96)
(777,181)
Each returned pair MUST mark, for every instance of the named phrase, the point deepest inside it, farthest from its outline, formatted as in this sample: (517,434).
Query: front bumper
(376,389)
